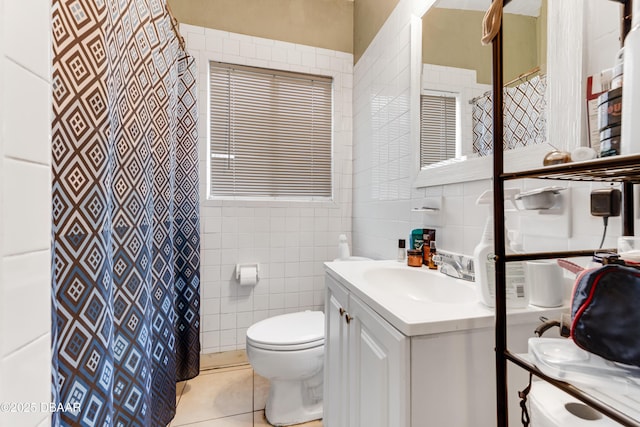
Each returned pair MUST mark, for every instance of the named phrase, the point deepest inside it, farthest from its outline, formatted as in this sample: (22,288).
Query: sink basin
(422,285)
(419,301)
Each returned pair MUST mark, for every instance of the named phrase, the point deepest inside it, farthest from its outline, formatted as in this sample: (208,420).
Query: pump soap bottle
(483,260)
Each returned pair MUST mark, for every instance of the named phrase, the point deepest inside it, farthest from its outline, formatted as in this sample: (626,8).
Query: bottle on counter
(401,250)
(414,258)
(432,252)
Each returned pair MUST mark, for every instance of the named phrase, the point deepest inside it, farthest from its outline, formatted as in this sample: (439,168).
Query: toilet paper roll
(248,275)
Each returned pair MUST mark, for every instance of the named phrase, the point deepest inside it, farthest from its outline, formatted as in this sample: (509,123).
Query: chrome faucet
(456,265)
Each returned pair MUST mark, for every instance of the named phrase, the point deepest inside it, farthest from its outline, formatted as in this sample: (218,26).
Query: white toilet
(288,350)
(552,407)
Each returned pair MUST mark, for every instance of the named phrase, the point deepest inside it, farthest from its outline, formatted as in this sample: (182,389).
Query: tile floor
(226,397)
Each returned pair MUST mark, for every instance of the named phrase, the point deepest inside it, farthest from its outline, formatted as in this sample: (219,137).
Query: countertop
(415,317)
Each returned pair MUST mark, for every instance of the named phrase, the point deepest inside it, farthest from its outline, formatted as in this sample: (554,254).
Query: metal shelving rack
(622,169)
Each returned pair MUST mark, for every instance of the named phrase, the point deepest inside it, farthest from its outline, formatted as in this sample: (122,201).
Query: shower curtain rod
(174,25)
(520,77)
(523,75)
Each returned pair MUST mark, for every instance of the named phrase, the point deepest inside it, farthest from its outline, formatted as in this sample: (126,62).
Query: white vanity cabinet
(366,365)
(393,360)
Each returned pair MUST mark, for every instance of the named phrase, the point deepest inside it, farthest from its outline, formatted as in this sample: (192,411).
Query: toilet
(552,407)
(288,350)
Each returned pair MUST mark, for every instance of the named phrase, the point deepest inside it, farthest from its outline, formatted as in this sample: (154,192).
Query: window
(270,133)
(438,128)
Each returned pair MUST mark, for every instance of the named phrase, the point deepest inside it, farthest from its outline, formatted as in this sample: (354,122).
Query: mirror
(456,65)
(546,53)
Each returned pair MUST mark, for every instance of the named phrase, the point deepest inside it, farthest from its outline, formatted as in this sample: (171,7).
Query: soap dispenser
(343,247)
(484,263)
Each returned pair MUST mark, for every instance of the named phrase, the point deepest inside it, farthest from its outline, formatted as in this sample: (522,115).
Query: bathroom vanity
(411,347)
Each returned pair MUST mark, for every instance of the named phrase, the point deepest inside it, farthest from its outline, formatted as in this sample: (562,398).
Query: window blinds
(437,128)
(270,133)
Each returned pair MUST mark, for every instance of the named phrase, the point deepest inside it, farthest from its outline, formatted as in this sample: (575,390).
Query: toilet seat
(287,332)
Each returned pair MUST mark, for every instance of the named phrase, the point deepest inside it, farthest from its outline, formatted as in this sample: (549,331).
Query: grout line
(29,161)
(12,351)
(28,70)
(29,252)
(222,369)
(210,419)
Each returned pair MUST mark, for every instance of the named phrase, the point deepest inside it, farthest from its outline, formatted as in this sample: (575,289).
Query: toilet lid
(295,331)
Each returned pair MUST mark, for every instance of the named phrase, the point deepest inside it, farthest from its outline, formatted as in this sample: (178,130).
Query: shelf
(601,403)
(552,255)
(615,169)
(607,169)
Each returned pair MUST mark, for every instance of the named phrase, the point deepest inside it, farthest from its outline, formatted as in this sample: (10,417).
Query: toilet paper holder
(240,267)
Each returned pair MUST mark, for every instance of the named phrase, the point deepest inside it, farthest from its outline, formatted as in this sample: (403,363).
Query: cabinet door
(336,402)
(379,370)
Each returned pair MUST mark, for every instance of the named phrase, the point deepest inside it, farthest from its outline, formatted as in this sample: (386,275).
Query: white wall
(602,35)
(25,209)
(385,159)
(290,240)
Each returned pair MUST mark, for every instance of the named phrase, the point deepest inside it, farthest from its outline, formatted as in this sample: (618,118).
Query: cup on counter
(629,248)
(546,283)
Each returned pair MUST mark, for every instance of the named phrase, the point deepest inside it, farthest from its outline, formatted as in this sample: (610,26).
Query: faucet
(457,266)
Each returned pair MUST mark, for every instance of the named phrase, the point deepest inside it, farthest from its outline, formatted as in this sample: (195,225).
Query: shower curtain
(125,244)
(525,121)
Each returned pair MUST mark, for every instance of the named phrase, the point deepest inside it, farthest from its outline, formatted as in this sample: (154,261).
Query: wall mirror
(544,62)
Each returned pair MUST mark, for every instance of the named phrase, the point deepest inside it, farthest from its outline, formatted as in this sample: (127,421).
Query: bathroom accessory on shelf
(430,205)
(562,359)
(247,274)
(604,315)
(431,210)
(544,280)
(539,198)
(484,262)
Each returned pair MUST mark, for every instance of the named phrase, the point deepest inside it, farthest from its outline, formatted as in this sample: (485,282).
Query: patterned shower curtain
(525,121)
(125,289)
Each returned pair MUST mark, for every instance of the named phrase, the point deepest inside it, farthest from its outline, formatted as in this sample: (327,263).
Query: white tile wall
(602,36)
(290,240)
(25,209)
(2,96)
(385,159)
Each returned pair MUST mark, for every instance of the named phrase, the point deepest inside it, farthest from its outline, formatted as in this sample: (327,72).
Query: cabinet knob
(348,318)
(342,311)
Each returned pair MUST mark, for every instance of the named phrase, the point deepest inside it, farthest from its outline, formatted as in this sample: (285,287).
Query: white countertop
(413,316)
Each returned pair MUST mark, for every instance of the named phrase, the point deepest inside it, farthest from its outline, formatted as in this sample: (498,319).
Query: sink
(419,301)
(423,285)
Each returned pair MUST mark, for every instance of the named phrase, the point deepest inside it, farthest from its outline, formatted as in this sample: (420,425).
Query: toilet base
(294,402)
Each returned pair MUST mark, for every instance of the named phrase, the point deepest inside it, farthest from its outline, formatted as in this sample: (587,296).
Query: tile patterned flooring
(226,397)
